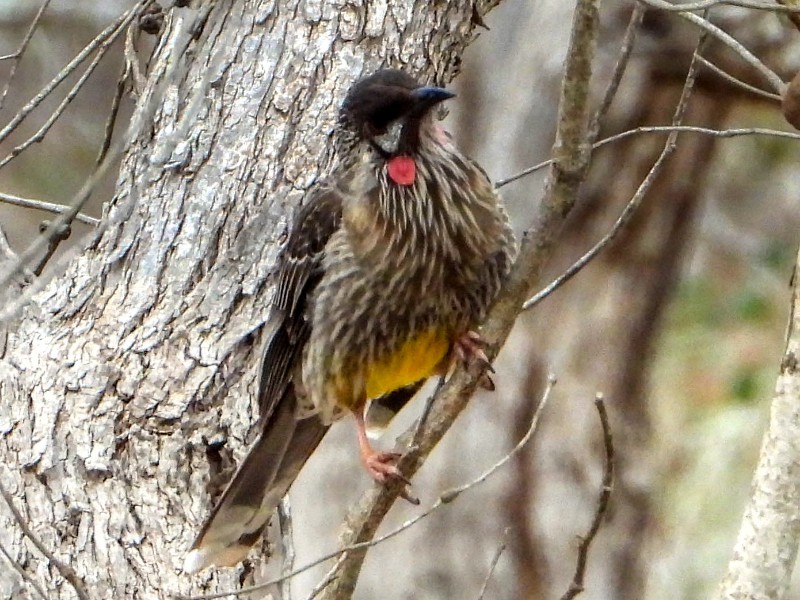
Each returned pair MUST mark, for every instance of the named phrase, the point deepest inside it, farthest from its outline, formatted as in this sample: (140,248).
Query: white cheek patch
(389,141)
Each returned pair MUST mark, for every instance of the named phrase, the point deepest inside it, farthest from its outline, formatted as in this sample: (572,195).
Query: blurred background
(680,323)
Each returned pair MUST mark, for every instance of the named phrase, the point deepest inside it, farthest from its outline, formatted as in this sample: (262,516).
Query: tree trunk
(766,549)
(127,383)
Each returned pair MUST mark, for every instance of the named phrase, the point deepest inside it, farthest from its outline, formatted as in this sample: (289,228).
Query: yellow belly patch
(416,359)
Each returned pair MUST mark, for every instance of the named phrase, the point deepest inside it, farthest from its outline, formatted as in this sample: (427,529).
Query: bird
(390,266)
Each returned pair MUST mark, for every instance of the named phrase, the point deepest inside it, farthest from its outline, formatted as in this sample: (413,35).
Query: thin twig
(63,568)
(737,82)
(108,131)
(54,227)
(769,75)
(47,206)
(287,546)
(626,47)
(705,4)
(426,411)
(445,497)
(658,129)
(132,63)
(21,50)
(56,114)
(641,192)
(142,113)
(719,133)
(64,73)
(493,565)
(326,581)
(22,572)
(57,231)
(606,487)
(525,172)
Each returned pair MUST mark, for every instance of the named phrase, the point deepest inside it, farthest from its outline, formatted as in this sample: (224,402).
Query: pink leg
(380,465)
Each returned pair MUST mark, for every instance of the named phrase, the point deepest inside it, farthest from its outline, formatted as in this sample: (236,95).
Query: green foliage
(752,305)
(745,386)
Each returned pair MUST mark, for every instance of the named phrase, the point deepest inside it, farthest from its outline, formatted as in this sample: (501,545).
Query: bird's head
(389,109)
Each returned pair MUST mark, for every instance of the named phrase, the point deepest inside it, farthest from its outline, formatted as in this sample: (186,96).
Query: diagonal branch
(102,50)
(768,74)
(493,565)
(47,206)
(641,192)
(572,153)
(22,572)
(66,72)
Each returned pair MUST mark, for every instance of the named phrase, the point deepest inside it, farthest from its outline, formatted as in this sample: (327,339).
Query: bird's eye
(372,129)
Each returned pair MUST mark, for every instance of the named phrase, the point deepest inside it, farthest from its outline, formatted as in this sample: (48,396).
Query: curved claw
(382,466)
(469,348)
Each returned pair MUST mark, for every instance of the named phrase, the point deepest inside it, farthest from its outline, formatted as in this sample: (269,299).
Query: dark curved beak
(430,95)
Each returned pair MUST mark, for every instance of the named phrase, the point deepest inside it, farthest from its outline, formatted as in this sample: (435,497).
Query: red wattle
(402,170)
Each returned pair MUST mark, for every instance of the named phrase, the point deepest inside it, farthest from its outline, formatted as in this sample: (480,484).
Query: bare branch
(108,132)
(704,4)
(48,206)
(719,133)
(326,581)
(7,273)
(287,546)
(527,171)
(641,192)
(659,129)
(67,71)
(769,75)
(21,50)
(426,410)
(626,47)
(738,82)
(53,227)
(54,116)
(606,487)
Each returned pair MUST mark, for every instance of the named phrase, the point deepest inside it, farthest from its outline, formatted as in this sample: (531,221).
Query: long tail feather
(260,483)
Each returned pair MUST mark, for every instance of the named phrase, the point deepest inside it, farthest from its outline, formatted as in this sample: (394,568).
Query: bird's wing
(299,271)
(285,442)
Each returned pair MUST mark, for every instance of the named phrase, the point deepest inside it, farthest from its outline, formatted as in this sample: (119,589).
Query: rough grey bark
(766,548)
(121,372)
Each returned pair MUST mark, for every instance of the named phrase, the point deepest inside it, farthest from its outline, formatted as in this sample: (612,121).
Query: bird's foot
(382,466)
(469,349)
